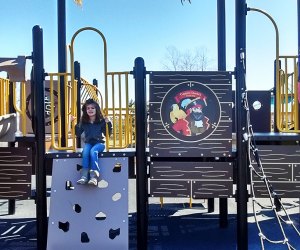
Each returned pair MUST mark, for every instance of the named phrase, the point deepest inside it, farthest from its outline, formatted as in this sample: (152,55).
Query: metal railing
(287,110)
(21,96)
(70,110)
(88,91)
(4,94)
(115,103)
(119,110)
(21,108)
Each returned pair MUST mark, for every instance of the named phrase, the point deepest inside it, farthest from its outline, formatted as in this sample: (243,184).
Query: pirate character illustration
(190,111)
(177,116)
(198,122)
(187,114)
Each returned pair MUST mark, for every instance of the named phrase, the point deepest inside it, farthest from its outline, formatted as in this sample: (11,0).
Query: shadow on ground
(173,227)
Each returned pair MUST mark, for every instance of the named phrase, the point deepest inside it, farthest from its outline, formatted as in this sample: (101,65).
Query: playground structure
(67,91)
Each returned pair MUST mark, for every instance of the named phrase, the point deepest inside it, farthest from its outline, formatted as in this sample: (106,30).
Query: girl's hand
(73,118)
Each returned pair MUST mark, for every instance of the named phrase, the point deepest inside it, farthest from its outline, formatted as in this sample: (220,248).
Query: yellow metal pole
(161,199)
(113,108)
(296,112)
(120,112)
(23,107)
(126,111)
(286,97)
(52,113)
(277,94)
(1,94)
(7,96)
(67,111)
(58,112)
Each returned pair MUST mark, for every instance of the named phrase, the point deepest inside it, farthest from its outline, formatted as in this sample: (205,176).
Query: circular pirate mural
(190,111)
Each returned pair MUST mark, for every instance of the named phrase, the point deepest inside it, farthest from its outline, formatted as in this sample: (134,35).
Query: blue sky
(145,28)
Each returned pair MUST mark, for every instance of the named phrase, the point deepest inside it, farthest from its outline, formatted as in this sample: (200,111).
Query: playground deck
(173,226)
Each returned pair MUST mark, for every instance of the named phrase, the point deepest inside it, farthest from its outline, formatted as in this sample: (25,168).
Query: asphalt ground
(175,225)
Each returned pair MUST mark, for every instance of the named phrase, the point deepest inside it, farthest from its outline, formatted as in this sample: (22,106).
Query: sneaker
(93,181)
(94,175)
(82,180)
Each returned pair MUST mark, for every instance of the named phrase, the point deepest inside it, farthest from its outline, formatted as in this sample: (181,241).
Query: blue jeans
(90,156)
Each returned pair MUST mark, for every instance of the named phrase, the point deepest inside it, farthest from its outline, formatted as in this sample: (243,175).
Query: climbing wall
(85,216)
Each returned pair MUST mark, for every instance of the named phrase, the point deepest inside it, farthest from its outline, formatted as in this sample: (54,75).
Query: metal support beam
(11,206)
(39,124)
(77,76)
(223,204)
(62,62)
(139,73)
(242,193)
(298,29)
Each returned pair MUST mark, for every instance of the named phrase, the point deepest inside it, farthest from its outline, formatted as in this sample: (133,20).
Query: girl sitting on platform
(93,124)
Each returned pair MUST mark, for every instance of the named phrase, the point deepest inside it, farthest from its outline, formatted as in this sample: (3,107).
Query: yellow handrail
(22,109)
(4,93)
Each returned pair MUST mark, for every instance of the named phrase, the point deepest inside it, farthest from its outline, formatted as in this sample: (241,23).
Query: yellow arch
(71,47)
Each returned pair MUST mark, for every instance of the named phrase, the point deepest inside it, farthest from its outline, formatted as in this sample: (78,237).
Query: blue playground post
(62,65)
(38,119)
(223,206)
(298,25)
(139,73)
(78,79)
(241,193)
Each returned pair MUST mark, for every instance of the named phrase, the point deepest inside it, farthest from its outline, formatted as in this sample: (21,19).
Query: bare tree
(172,58)
(186,61)
(78,2)
(184,1)
(202,58)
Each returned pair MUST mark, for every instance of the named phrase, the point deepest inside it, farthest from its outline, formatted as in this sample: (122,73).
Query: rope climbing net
(257,171)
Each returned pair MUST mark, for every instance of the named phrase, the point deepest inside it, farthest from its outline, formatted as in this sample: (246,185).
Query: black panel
(207,179)
(285,190)
(191,170)
(279,153)
(282,168)
(15,173)
(167,188)
(279,138)
(190,112)
(18,192)
(212,189)
(276,172)
(262,108)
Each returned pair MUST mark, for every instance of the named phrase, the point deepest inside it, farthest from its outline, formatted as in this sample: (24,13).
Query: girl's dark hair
(85,117)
